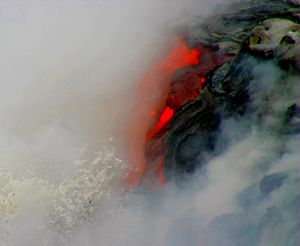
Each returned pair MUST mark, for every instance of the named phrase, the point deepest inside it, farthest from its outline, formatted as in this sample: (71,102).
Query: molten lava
(155,116)
(165,116)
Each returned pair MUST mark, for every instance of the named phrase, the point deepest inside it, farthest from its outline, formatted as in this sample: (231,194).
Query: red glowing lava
(151,113)
(165,116)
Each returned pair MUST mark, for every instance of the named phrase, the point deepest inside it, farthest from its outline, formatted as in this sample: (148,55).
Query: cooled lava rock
(249,69)
(234,43)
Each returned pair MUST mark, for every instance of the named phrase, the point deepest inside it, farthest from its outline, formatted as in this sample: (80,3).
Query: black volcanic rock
(239,39)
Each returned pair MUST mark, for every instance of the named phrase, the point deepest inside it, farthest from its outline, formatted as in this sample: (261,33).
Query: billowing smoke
(69,72)
(69,77)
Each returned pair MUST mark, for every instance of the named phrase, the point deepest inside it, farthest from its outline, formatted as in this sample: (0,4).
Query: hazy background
(68,70)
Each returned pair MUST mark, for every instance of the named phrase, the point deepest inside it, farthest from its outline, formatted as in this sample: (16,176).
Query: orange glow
(199,86)
(150,110)
(180,57)
(163,119)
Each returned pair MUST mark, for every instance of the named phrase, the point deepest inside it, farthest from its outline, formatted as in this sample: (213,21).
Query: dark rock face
(250,53)
(235,44)
(199,122)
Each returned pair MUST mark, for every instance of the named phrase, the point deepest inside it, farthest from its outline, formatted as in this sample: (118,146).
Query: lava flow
(150,118)
(164,118)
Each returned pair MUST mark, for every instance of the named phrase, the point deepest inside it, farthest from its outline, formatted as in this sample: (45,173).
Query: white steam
(68,72)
